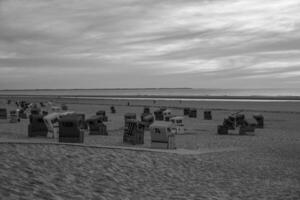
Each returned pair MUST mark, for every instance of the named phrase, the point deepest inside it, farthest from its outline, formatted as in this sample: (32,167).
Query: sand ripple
(45,171)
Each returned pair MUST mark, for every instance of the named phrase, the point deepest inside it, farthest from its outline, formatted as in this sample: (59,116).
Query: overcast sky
(149,43)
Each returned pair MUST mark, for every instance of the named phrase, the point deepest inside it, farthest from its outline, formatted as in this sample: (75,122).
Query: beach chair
(133,132)
(259,120)
(236,126)
(146,110)
(229,123)
(193,113)
(37,126)
(102,113)
(55,109)
(222,130)
(246,128)
(147,119)
(159,115)
(240,119)
(22,114)
(95,125)
(207,115)
(69,129)
(64,107)
(3,113)
(24,105)
(35,111)
(178,124)
(186,111)
(162,136)
(167,115)
(129,116)
(14,116)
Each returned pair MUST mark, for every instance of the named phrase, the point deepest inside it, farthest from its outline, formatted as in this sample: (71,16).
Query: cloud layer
(149,43)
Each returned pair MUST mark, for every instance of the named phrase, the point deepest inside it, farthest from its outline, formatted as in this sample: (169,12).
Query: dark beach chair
(37,126)
(69,129)
(207,115)
(134,132)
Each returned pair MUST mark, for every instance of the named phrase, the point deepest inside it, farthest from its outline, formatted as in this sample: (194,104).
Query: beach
(154,100)
(260,166)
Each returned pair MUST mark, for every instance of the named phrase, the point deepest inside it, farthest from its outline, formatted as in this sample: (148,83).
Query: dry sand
(264,166)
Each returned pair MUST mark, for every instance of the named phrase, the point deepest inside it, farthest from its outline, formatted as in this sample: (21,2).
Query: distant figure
(128,104)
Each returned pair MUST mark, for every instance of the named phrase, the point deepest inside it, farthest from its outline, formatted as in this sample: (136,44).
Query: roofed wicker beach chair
(3,113)
(186,111)
(207,115)
(69,129)
(162,136)
(193,113)
(260,120)
(133,132)
(95,125)
(102,113)
(37,126)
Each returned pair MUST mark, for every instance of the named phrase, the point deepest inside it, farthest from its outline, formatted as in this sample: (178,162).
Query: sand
(64,172)
(263,166)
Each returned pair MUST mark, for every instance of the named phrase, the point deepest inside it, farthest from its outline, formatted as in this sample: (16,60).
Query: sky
(149,43)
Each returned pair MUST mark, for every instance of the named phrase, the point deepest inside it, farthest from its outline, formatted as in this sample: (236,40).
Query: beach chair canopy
(162,125)
(258,116)
(94,119)
(35,110)
(101,112)
(55,109)
(3,110)
(36,119)
(50,120)
(13,112)
(160,130)
(177,120)
(66,113)
(147,117)
(167,112)
(146,110)
(71,120)
(130,116)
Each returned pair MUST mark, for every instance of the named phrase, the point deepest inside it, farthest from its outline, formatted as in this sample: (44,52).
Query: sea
(167,92)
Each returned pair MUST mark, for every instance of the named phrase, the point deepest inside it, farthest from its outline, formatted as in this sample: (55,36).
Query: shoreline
(251,105)
(163,97)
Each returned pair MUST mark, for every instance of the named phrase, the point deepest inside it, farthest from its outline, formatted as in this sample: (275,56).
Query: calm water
(165,92)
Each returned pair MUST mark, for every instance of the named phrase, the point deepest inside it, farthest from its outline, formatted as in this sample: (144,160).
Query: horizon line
(146,88)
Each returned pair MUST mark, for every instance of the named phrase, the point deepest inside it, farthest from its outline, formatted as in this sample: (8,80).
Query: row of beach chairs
(237,124)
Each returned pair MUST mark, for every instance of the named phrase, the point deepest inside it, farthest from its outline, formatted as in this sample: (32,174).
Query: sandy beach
(158,100)
(263,166)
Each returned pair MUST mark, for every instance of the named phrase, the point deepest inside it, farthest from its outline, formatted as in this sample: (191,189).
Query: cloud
(189,39)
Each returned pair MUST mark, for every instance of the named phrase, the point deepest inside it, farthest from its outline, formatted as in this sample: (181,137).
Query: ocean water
(159,92)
